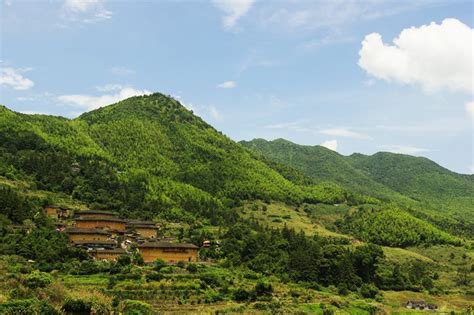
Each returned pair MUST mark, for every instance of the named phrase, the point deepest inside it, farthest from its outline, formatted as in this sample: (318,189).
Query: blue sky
(313,72)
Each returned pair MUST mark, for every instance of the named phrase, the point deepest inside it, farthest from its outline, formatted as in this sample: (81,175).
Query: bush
(133,307)
(124,260)
(263,288)
(369,291)
(241,295)
(27,307)
(159,263)
(77,306)
(154,276)
(192,268)
(37,279)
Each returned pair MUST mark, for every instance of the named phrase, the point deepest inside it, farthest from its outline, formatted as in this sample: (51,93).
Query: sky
(354,76)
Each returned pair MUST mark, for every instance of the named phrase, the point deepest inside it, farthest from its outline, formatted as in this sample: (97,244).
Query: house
(145,229)
(56,212)
(169,252)
(99,214)
(81,234)
(111,224)
(107,254)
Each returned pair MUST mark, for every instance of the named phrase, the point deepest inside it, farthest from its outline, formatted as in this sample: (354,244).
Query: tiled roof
(167,245)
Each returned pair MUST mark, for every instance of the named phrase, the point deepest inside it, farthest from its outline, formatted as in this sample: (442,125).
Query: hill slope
(143,156)
(416,182)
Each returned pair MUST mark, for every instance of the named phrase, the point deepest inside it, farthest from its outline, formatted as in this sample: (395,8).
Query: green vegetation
(393,227)
(292,229)
(427,190)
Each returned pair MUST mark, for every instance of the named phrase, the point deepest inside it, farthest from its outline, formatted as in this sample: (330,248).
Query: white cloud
(80,5)
(403,149)
(109,87)
(343,132)
(215,114)
(90,102)
(330,144)
(471,169)
(25,98)
(14,79)
(33,112)
(470,109)
(331,15)
(227,85)
(234,10)
(435,56)
(85,11)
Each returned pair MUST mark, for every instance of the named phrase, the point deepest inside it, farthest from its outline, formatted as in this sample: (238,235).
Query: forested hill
(143,155)
(387,175)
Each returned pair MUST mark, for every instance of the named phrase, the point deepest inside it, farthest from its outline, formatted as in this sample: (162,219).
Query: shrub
(37,279)
(159,263)
(77,306)
(241,295)
(192,268)
(124,260)
(133,307)
(27,307)
(263,288)
(369,291)
(154,276)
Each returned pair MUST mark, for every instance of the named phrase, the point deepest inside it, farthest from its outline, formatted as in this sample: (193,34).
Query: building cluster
(420,305)
(106,236)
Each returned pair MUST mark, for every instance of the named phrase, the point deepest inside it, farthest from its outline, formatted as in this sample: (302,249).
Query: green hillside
(146,156)
(421,179)
(418,183)
(320,164)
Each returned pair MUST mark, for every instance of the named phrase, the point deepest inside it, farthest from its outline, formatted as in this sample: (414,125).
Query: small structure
(56,212)
(81,234)
(145,229)
(107,254)
(112,224)
(416,305)
(108,244)
(206,244)
(98,214)
(169,252)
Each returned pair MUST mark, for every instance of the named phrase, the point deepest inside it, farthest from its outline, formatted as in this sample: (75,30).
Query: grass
(401,254)
(278,215)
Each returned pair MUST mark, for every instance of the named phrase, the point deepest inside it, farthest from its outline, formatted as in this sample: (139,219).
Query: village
(105,236)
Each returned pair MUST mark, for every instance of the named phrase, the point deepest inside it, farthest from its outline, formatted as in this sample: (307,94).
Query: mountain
(143,156)
(414,181)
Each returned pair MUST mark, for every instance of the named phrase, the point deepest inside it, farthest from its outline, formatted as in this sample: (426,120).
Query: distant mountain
(415,180)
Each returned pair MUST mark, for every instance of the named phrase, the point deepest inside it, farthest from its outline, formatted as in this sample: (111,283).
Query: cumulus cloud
(403,149)
(85,11)
(470,109)
(227,85)
(215,114)
(343,132)
(233,10)
(90,102)
(330,144)
(434,56)
(14,79)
